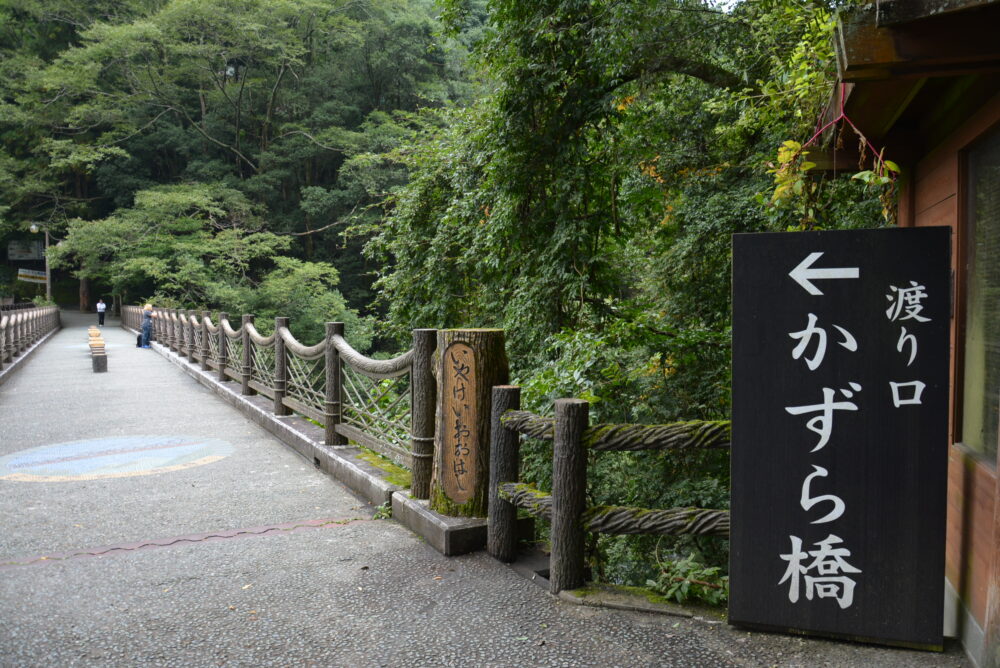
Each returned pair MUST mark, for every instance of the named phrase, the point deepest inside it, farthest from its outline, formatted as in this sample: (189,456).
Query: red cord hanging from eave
(842,116)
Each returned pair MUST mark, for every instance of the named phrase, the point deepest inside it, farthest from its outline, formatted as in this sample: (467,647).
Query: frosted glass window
(982,307)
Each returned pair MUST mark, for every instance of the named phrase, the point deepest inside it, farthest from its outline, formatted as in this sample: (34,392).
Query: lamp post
(48,275)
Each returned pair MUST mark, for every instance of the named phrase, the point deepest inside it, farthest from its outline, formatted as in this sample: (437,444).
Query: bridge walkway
(147,522)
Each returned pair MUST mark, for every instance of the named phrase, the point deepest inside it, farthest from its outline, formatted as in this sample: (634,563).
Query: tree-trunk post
(18,329)
(187,332)
(206,349)
(177,334)
(184,341)
(182,332)
(569,489)
(469,363)
(168,328)
(332,406)
(3,340)
(7,350)
(223,347)
(423,404)
(172,334)
(280,369)
(190,316)
(247,361)
(505,445)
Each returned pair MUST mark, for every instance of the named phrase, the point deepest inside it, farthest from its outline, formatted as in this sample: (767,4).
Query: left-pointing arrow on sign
(804,274)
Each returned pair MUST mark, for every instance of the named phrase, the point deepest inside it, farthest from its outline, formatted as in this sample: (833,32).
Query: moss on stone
(394,474)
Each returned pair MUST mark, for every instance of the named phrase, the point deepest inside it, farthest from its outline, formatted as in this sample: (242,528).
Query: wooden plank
(304,409)
(904,11)
(946,45)
(264,389)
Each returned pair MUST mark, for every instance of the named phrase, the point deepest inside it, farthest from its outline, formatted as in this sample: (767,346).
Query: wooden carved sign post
(840,432)
(470,363)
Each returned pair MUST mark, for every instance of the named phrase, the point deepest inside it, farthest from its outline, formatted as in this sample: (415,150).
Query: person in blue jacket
(147,324)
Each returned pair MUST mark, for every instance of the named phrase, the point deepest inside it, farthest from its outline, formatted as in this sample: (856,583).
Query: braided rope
(693,434)
(529,424)
(527,497)
(670,522)
(397,366)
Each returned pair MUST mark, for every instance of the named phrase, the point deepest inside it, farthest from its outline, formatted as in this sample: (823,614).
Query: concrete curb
(19,361)
(449,535)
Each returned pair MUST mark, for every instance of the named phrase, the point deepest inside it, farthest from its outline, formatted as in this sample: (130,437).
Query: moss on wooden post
(469,363)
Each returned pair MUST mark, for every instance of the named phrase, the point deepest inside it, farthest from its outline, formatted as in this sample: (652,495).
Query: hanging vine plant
(798,192)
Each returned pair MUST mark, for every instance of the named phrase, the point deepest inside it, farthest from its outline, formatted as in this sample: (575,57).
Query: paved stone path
(180,534)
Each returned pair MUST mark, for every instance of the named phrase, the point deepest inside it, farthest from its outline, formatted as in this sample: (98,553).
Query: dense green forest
(569,170)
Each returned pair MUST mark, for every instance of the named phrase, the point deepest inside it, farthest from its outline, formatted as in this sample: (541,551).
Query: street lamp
(48,275)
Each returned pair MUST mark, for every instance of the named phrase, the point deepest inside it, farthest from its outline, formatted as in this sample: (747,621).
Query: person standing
(147,324)
(101,308)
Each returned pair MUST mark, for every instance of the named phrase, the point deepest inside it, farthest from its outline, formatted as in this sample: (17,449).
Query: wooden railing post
(223,347)
(159,326)
(18,334)
(505,445)
(423,406)
(172,334)
(184,341)
(569,489)
(3,339)
(332,405)
(206,349)
(176,329)
(280,369)
(192,344)
(247,362)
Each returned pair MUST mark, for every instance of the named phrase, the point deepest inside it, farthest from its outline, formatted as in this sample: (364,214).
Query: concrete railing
(385,405)
(22,328)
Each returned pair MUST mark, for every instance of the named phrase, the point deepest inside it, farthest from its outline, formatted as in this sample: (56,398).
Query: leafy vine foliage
(585,203)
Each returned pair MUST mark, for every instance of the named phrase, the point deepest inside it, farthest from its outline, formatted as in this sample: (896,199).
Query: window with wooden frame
(981,373)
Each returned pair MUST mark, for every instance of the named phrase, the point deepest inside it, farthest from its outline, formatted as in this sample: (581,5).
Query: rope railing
(21,329)
(565,507)
(690,434)
(385,405)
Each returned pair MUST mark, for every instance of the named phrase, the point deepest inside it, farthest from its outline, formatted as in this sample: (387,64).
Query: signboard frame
(841,359)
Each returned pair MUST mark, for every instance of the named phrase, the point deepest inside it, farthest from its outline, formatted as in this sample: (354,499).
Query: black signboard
(840,432)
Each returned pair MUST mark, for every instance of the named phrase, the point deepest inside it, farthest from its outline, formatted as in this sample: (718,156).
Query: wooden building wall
(933,196)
